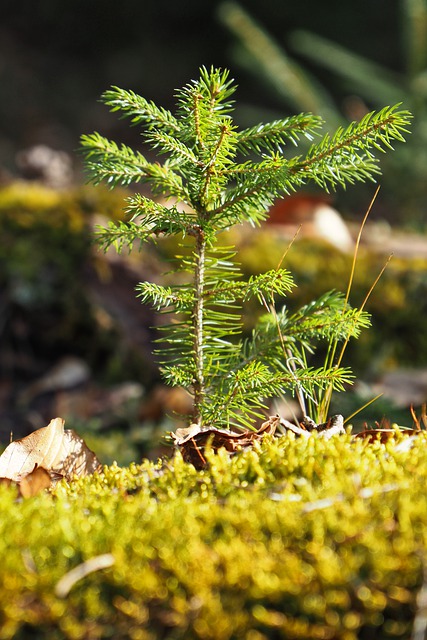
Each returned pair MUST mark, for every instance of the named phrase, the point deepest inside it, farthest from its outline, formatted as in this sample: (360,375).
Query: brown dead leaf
(193,440)
(35,482)
(60,452)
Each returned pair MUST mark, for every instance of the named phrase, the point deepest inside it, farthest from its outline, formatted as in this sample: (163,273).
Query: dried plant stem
(356,249)
(367,404)
(362,306)
(331,356)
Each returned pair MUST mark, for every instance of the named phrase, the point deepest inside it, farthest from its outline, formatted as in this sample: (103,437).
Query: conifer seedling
(218,175)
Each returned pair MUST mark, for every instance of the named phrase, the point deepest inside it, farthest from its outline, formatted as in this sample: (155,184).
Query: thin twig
(367,404)
(357,245)
(66,583)
(326,400)
(285,253)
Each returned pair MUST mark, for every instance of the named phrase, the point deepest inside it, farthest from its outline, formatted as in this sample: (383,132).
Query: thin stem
(367,404)
(362,306)
(328,395)
(356,249)
(333,346)
(197,319)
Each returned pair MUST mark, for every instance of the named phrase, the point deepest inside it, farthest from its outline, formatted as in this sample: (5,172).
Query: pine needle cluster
(217,176)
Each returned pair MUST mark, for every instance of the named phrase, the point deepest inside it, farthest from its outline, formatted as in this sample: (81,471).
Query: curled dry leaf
(36,481)
(193,440)
(60,452)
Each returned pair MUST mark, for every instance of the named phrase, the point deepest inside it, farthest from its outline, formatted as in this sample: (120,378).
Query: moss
(45,237)
(292,539)
(46,266)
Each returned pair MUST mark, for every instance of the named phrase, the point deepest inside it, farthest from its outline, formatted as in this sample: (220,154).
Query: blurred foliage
(45,254)
(56,59)
(45,246)
(122,446)
(294,538)
(364,84)
(397,305)
(45,239)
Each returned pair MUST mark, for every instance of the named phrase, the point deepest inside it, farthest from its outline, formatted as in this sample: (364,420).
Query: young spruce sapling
(217,176)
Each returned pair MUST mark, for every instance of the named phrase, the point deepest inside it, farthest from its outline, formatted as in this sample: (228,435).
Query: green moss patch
(291,539)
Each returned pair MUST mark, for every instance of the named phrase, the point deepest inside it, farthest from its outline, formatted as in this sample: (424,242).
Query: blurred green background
(57,58)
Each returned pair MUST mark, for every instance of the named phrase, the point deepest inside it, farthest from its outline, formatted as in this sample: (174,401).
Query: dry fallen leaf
(60,452)
(36,481)
(193,439)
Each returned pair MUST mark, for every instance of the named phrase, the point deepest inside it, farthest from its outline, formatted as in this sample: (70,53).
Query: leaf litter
(44,456)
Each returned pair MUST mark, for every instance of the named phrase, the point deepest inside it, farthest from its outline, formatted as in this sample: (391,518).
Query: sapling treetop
(217,176)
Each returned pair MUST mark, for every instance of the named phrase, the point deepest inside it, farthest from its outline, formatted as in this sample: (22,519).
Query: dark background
(56,58)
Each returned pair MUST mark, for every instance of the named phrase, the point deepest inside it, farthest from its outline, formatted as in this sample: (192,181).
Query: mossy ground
(291,539)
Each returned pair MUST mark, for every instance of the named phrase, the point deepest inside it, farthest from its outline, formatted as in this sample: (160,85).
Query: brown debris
(61,453)
(333,426)
(192,440)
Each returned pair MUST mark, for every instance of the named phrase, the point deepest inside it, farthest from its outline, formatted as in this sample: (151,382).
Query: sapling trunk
(197,321)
